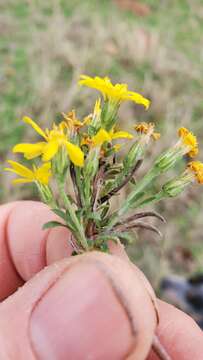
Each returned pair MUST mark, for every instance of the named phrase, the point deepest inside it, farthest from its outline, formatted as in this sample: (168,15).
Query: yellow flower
(189,140)
(103,136)
(197,169)
(116,93)
(73,123)
(148,129)
(41,174)
(55,139)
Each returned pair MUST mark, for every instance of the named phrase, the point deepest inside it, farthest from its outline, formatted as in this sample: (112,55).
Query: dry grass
(157,55)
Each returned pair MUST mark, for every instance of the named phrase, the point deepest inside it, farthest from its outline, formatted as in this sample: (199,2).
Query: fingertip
(9,277)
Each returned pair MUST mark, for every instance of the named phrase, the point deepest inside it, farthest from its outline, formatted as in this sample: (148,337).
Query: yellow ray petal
(139,99)
(122,135)
(50,150)
(45,167)
(30,151)
(43,173)
(21,181)
(32,123)
(75,154)
(20,170)
(101,136)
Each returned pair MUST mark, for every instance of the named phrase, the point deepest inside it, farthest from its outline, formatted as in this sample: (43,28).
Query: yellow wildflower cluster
(66,138)
(82,153)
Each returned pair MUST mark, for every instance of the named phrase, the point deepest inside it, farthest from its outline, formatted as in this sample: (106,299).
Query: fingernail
(81,317)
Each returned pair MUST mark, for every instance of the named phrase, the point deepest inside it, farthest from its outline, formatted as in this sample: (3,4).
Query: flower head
(194,171)
(196,167)
(189,141)
(103,136)
(116,93)
(147,129)
(73,123)
(40,174)
(55,139)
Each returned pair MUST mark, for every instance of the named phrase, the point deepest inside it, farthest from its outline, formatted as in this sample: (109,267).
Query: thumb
(91,306)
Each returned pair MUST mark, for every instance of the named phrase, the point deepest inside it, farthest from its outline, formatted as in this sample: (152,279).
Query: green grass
(44,46)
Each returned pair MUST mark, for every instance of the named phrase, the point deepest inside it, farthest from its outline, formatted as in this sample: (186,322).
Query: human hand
(94,306)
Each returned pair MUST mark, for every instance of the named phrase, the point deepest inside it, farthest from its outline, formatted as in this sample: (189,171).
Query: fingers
(9,278)
(25,248)
(179,334)
(94,300)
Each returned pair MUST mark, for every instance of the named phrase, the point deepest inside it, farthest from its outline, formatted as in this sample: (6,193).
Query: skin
(94,306)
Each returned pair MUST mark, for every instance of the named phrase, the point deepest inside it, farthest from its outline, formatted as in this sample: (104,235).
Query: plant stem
(137,189)
(152,199)
(72,214)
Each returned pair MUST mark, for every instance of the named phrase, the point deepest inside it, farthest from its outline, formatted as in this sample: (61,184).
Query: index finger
(25,248)
(179,334)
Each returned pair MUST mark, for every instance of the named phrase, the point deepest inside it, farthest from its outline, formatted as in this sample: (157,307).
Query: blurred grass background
(155,47)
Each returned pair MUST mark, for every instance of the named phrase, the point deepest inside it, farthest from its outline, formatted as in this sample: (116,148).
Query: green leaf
(104,211)
(104,247)
(60,213)
(70,223)
(94,216)
(80,214)
(148,200)
(52,224)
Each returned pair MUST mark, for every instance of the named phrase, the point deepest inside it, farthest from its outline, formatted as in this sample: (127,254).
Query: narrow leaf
(52,224)
(60,213)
